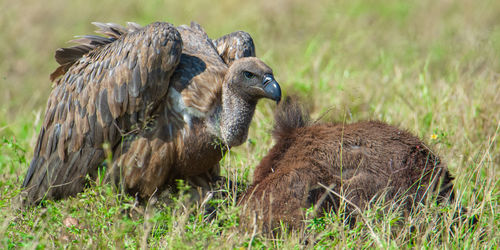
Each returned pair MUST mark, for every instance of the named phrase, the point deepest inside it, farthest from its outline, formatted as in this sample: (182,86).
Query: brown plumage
(167,100)
(362,162)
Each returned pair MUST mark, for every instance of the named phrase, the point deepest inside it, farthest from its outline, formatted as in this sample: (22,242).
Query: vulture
(155,103)
(324,164)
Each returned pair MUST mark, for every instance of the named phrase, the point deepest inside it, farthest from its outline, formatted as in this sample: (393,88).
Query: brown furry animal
(361,162)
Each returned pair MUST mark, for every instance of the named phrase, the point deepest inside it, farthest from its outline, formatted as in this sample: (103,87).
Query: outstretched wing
(234,46)
(176,144)
(102,95)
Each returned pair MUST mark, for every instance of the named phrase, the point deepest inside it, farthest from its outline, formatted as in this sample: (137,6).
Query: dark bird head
(247,80)
(252,78)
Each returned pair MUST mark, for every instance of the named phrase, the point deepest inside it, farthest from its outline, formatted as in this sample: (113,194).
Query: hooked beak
(272,88)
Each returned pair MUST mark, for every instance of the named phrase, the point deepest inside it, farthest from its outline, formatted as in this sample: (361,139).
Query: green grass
(431,67)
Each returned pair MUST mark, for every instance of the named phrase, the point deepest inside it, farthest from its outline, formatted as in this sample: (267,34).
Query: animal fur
(361,162)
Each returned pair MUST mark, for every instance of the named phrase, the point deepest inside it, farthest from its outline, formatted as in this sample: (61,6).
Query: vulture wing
(234,46)
(109,87)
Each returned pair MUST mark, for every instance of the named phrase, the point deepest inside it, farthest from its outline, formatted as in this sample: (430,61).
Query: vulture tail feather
(67,56)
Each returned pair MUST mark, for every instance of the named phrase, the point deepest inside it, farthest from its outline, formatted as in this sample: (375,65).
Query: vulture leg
(204,183)
(234,46)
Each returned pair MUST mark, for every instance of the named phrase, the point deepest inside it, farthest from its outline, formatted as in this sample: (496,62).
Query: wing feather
(98,89)
(204,63)
(235,45)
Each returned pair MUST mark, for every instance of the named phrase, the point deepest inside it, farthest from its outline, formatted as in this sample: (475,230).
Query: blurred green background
(429,66)
(328,46)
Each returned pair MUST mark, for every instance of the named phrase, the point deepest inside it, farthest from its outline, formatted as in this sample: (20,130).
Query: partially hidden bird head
(251,77)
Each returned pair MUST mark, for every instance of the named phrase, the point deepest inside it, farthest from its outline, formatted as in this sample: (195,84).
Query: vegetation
(431,67)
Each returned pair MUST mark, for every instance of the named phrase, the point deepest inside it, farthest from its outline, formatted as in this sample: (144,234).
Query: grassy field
(432,67)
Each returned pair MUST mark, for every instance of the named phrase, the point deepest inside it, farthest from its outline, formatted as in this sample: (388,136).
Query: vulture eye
(248,75)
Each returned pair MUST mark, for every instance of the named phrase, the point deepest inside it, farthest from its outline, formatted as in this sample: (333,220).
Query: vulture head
(251,77)
(248,79)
